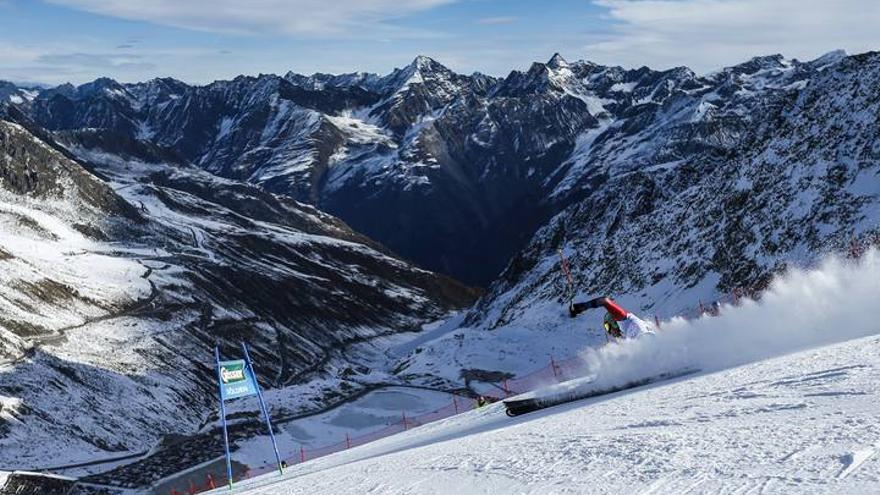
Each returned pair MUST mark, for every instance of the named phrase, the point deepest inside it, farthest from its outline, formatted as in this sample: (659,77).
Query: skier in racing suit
(618,322)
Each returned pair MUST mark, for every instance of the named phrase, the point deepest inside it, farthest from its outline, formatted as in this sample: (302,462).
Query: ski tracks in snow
(804,423)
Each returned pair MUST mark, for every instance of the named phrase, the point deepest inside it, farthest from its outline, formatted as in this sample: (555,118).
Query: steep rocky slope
(801,177)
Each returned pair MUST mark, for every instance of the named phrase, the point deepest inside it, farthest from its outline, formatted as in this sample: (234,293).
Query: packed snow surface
(787,402)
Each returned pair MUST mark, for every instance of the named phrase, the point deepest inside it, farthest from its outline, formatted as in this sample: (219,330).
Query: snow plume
(837,301)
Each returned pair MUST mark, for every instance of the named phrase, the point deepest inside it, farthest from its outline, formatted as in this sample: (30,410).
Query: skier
(618,322)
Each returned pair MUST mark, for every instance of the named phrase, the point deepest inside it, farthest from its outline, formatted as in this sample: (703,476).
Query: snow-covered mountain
(15,94)
(773,165)
(457,172)
(121,269)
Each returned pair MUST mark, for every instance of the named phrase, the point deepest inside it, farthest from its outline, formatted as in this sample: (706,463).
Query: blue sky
(198,41)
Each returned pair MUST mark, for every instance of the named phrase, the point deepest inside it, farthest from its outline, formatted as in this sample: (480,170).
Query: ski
(516,407)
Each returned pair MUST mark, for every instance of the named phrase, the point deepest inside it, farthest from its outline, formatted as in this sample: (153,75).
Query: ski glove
(578,308)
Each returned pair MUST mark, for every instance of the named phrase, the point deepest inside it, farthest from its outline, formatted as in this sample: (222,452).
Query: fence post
(657,321)
(403,413)
(211,482)
(455,403)
(347,441)
(302,454)
(553,365)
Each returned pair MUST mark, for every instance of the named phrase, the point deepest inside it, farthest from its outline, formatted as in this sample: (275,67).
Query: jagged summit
(423,62)
(422,67)
(755,64)
(557,62)
(103,84)
(829,58)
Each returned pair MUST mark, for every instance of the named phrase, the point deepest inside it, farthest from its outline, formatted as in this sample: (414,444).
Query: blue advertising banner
(236,380)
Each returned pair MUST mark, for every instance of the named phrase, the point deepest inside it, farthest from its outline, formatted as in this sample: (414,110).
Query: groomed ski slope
(788,401)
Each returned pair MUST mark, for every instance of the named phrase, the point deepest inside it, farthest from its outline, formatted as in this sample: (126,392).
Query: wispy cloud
(55,63)
(308,18)
(99,61)
(491,21)
(709,34)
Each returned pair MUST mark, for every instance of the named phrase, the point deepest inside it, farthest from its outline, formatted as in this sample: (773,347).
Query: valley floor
(805,423)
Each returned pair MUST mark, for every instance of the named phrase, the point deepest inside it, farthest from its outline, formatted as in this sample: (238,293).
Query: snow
(802,423)
(225,126)
(829,59)
(45,249)
(359,131)
(105,352)
(624,87)
(703,109)
(853,461)
(367,414)
(144,131)
(786,401)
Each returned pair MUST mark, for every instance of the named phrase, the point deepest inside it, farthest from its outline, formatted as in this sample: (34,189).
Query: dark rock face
(30,167)
(452,171)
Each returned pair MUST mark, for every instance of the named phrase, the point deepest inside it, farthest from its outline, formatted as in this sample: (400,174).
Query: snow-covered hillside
(121,271)
(787,402)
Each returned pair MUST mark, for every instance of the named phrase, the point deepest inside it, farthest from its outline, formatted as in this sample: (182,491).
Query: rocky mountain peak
(829,58)
(103,85)
(420,69)
(557,62)
(756,64)
(556,75)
